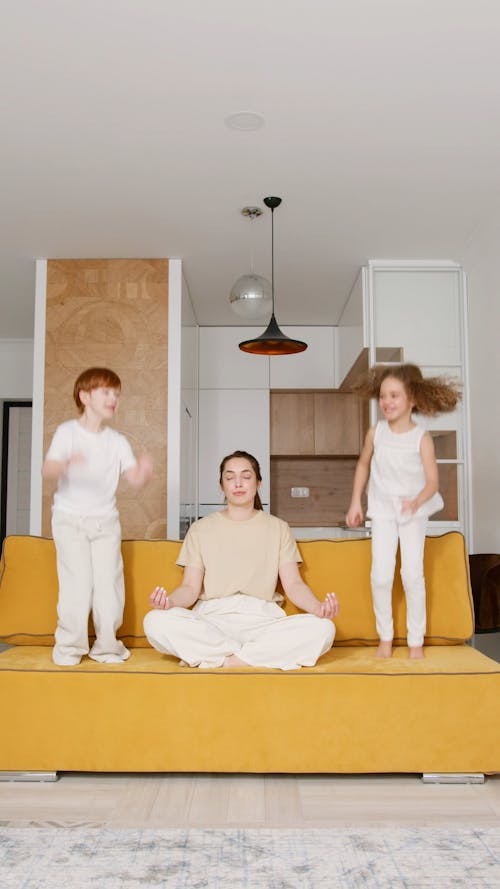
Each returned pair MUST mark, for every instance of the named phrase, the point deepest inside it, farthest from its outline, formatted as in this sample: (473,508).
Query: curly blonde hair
(430,395)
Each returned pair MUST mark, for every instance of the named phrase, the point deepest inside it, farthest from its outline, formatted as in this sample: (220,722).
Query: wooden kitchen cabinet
(337,424)
(292,423)
(316,423)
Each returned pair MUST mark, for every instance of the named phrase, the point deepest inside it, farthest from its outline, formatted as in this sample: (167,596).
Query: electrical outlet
(299,492)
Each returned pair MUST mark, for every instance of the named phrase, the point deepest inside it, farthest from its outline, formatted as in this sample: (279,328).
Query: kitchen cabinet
(231,419)
(224,366)
(292,423)
(316,423)
(337,424)
(315,440)
(312,369)
(419,310)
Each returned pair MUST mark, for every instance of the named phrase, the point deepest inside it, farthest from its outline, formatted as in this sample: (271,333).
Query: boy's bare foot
(416,651)
(384,649)
(234,661)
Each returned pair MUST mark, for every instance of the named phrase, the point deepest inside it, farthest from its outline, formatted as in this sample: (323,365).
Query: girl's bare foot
(384,649)
(416,651)
(234,661)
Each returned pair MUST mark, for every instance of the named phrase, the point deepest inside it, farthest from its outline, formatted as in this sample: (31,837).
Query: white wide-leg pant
(258,632)
(90,573)
(411,535)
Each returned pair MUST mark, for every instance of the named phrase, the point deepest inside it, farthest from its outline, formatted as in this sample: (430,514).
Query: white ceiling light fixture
(246,121)
(251,294)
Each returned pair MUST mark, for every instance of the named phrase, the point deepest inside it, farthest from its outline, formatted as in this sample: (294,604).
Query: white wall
(482,266)
(174,398)
(189,413)
(351,329)
(16,369)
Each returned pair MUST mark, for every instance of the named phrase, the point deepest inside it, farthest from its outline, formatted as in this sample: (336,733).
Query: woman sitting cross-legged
(232,560)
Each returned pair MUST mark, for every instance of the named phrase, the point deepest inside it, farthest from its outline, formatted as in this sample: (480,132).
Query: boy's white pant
(90,573)
(411,534)
(258,632)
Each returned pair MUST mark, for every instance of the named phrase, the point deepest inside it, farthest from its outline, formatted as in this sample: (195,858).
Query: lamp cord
(272,257)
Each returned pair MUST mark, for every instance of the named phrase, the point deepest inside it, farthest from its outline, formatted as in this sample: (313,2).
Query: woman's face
(239,482)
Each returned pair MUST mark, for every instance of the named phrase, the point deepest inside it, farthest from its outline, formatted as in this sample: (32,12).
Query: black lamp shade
(273,342)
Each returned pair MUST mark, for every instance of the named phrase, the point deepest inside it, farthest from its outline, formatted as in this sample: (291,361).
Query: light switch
(299,492)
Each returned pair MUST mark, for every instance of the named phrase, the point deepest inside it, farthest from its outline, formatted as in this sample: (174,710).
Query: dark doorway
(16,468)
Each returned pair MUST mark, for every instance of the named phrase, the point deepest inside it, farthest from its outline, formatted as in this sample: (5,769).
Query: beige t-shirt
(239,557)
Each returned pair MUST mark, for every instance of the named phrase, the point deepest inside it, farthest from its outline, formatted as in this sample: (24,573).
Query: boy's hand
(140,474)
(159,599)
(76,458)
(145,466)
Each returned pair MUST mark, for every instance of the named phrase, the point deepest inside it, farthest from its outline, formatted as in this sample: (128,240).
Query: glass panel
(448,486)
(445,444)
(389,355)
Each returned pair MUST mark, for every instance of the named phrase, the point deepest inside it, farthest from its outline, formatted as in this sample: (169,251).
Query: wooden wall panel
(113,313)
(329,480)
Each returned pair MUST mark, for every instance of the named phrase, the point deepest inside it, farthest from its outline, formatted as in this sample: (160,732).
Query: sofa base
(352,713)
(453,778)
(40,777)
(427,777)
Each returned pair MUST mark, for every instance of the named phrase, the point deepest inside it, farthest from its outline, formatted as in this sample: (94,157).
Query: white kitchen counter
(328,533)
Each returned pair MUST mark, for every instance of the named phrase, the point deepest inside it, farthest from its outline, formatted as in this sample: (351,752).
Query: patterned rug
(410,858)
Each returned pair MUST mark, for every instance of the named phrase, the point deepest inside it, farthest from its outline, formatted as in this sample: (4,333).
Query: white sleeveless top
(397,472)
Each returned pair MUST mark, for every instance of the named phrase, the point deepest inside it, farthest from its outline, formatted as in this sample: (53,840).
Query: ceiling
(381,134)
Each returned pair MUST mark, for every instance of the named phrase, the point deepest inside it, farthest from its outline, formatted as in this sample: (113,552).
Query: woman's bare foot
(384,649)
(416,651)
(234,661)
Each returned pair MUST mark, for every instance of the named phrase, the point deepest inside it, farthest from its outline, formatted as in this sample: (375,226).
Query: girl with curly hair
(399,464)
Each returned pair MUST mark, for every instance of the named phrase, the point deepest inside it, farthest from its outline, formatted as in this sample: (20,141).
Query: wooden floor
(209,800)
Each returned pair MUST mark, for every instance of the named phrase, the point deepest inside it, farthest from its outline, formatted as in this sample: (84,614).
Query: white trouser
(258,632)
(90,573)
(411,534)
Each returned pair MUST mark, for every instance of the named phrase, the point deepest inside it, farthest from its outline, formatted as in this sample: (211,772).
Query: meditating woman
(232,560)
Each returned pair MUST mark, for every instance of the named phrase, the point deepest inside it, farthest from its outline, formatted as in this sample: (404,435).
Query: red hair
(94,378)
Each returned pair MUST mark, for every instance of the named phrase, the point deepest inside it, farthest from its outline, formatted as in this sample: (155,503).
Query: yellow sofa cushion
(28,588)
(344,567)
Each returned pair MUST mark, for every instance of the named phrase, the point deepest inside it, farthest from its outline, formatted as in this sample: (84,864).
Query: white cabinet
(351,331)
(419,310)
(312,369)
(229,420)
(233,408)
(224,366)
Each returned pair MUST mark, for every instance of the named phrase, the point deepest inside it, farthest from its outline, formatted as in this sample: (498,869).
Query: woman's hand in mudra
(159,599)
(329,608)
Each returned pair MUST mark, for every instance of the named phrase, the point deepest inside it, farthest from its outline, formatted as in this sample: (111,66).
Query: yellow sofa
(351,713)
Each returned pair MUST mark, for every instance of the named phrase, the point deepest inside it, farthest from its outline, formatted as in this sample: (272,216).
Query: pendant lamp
(250,295)
(273,341)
